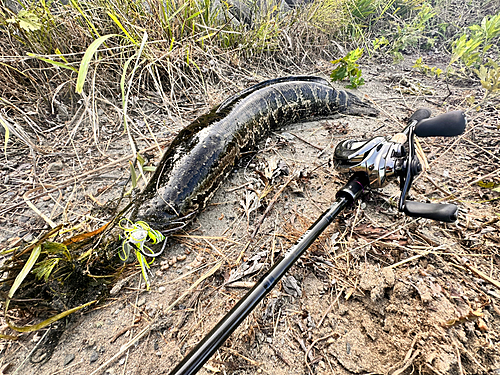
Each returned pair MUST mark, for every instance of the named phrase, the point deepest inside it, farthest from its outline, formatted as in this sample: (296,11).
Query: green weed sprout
(348,68)
(137,235)
(471,51)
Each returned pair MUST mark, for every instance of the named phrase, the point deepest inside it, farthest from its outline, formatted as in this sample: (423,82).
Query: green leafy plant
(489,75)
(348,68)
(412,32)
(378,43)
(56,253)
(426,69)
(27,20)
(470,51)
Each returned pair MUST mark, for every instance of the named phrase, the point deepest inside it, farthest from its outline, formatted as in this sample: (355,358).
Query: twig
(251,361)
(146,329)
(374,241)
(480,274)
(437,186)
(406,363)
(271,204)
(459,360)
(409,358)
(307,143)
(120,332)
(80,177)
(32,351)
(434,370)
(123,349)
(314,343)
(470,184)
(331,306)
(64,369)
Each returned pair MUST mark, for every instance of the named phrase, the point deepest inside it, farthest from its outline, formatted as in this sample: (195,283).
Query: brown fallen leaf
(472,315)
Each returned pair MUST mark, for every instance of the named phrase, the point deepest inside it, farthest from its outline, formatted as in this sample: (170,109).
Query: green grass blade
(75,5)
(35,253)
(45,323)
(119,24)
(56,63)
(84,65)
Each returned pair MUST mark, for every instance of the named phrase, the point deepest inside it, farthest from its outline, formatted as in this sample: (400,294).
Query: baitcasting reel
(381,158)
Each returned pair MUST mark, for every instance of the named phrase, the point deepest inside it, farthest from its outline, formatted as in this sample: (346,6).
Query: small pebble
(94,356)
(180,258)
(159,273)
(161,289)
(141,301)
(164,267)
(68,359)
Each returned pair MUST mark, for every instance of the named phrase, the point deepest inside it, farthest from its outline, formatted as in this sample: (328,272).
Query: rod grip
(440,212)
(448,124)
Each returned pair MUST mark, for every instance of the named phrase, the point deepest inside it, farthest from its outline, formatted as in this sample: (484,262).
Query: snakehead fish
(203,153)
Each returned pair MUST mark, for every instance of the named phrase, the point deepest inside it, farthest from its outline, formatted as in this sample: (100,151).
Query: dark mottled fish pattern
(203,153)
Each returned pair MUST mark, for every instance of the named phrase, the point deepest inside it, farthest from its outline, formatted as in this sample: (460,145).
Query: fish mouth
(357,107)
(164,220)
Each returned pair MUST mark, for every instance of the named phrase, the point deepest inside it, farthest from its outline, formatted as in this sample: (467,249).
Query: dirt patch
(379,293)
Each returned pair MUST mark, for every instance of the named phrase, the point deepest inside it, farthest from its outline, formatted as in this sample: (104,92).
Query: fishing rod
(372,163)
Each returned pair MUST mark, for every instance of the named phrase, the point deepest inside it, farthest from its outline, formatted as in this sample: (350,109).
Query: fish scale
(202,155)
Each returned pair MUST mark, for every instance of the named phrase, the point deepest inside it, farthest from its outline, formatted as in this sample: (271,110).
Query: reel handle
(448,124)
(419,115)
(440,212)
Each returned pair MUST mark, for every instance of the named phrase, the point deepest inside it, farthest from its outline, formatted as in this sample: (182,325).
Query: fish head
(354,106)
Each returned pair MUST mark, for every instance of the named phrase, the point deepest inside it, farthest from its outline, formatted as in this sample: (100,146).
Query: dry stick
(312,345)
(436,371)
(408,360)
(271,205)
(459,360)
(217,250)
(32,351)
(479,273)
(407,260)
(80,177)
(64,369)
(251,361)
(437,186)
(331,306)
(484,150)
(470,184)
(146,329)
(307,143)
(406,363)
(123,349)
(454,143)
(375,240)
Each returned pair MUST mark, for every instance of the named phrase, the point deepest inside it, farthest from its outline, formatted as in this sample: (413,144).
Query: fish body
(204,153)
